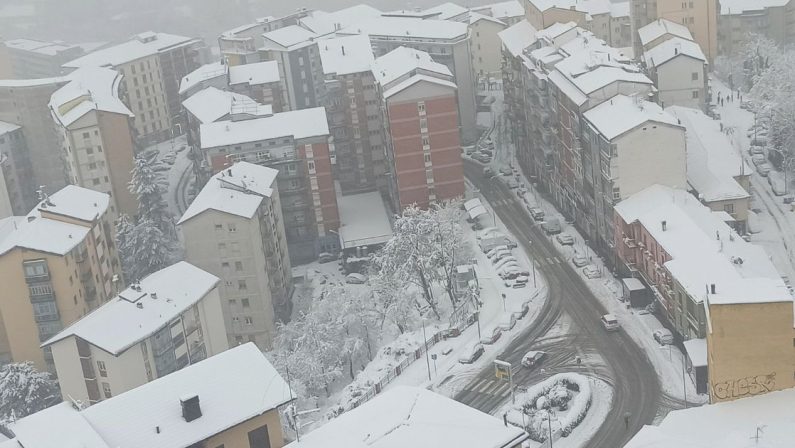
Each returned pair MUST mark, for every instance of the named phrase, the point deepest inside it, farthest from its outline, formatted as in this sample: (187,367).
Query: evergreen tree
(149,187)
(24,391)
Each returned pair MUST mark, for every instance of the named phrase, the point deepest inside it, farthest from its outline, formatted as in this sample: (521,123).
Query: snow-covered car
(759,140)
(758,159)
(536,213)
(512,283)
(756,150)
(326,257)
(510,273)
(162,167)
(512,184)
(471,353)
(521,311)
(551,226)
(496,251)
(663,336)
(487,232)
(610,322)
(763,169)
(355,279)
(505,171)
(501,255)
(507,321)
(579,260)
(565,239)
(591,271)
(532,358)
(487,172)
(447,350)
(503,262)
(777,184)
(490,335)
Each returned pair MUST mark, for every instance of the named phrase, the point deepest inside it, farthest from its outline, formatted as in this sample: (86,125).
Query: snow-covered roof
(321,22)
(503,10)
(555,30)
(6,127)
(133,315)
(445,11)
(622,113)
(142,45)
(730,424)
(661,27)
(346,55)
(404,60)
(713,164)
(203,73)
(289,37)
(409,28)
(697,351)
(75,202)
(233,387)
(211,104)
(477,17)
(472,203)
(90,88)
(619,9)
(403,85)
(40,234)
(412,417)
(671,48)
(364,220)
(34,82)
(38,46)
(728,7)
(299,124)
(254,74)
(592,7)
(237,190)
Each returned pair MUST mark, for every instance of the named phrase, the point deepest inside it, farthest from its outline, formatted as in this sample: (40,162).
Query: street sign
(502,369)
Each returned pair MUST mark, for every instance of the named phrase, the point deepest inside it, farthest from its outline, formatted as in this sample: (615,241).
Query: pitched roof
(38,46)
(90,88)
(592,7)
(40,234)
(404,60)
(76,202)
(299,124)
(238,190)
(6,127)
(211,104)
(517,37)
(661,27)
(504,10)
(254,74)
(446,10)
(346,55)
(203,73)
(477,17)
(409,28)
(133,315)
(321,22)
(405,84)
(671,48)
(290,37)
(622,113)
(139,46)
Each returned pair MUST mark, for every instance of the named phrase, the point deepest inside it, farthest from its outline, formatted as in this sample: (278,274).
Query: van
(610,322)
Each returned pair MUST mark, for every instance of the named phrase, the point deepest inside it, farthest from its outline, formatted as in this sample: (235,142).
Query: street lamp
(425,339)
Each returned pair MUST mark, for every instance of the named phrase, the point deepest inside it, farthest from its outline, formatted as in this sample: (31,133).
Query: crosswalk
(544,261)
(490,386)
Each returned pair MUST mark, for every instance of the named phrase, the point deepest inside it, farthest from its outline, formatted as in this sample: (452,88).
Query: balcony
(37,278)
(630,242)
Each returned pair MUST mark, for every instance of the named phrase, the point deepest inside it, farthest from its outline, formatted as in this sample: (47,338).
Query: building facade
(700,17)
(17,190)
(32,59)
(235,230)
(607,20)
(296,52)
(678,68)
(738,19)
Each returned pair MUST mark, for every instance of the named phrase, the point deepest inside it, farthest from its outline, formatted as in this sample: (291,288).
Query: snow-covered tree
(146,250)
(124,230)
(24,391)
(148,186)
(773,95)
(392,302)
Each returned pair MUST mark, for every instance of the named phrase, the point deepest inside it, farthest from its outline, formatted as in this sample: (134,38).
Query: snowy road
(636,386)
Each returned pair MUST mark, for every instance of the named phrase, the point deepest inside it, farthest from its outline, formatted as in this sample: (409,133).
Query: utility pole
(427,360)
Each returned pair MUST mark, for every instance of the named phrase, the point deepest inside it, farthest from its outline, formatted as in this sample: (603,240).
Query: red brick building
(424,150)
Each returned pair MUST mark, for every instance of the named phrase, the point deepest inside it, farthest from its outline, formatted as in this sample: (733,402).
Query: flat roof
(621,114)
(254,74)
(346,55)
(517,37)
(139,46)
(203,73)
(292,36)
(697,351)
(364,220)
(633,284)
(409,28)
(299,124)
(728,7)
(38,46)
(592,7)
(661,27)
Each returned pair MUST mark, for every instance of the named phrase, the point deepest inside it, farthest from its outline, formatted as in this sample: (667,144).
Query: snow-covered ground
(178,173)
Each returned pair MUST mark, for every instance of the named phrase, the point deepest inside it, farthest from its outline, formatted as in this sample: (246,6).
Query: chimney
(153,296)
(31,218)
(139,305)
(191,410)
(343,50)
(664,225)
(712,288)
(229,172)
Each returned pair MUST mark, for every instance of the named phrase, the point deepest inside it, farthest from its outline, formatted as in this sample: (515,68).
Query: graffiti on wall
(741,387)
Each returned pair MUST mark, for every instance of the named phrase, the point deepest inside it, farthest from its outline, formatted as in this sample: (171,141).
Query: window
(695,94)
(36,268)
(89,150)
(103,371)
(92,166)
(426,141)
(95,181)
(728,208)
(421,108)
(241,284)
(311,166)
(231,227)
(694,76)
(219,227)
(232,303)
(259,438)
(427,158)
(106,390)
(86,135)
(245,303)
(249,320)
(423,125)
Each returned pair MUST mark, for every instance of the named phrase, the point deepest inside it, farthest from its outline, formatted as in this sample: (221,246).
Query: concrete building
(716,172)
(167,321)
(299,145)
(606,20)
(17,189)
(447,42)
(700,17)
(483,30)
(152,66)
(739,18)
(678,68)
(508,12)
(185,409)
(295,50)
(214,74)
(241,44)
(32,59)
(424,152)
(628,144)
(96,135)
(260,81)
(354,112)
(58,263)
(235,230)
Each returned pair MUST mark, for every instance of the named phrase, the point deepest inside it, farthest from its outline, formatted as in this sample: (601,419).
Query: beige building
(96,135)
(58,263)
(606,20)
(699,16)
(30,58)
(230,400)
(16,186)
(169,320)
(739,18)
(152,66)
(235,229)
(483,30)
(678,68)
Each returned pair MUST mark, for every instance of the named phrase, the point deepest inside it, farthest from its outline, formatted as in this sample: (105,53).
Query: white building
(659,31)
(171,319)
(235,230)
(214,74)
(678,68)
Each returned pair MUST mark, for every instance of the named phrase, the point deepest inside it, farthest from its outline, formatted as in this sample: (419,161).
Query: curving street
(613,357)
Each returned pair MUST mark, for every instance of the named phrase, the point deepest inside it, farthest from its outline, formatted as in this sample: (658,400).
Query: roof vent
(711,290)
(139,305)
(153,296)
(664,226)
(31,218)
(191,410)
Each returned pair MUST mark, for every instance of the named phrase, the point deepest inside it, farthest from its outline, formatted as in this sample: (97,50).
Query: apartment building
(241,44)
(30,58)
(58,263)
(235,230)
(152,65)
(716,172)
(260,81)
(509,12)
(295,50)
(628,144)
(678,68)
(739,18)
(167,321)
(447,42)
(354,111)
(24,102)
(299,145)
(699,16)
(424,152)
(17,189)
(606,20)
(483,30)
(96,135)
(188,408)
(214,74)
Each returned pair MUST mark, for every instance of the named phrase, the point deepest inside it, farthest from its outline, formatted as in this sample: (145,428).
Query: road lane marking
(485,386)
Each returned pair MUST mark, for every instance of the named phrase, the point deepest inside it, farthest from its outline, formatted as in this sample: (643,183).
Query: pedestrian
(626,419)
(579,360)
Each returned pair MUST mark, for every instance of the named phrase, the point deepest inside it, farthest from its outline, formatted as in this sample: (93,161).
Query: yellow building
(483,32)
(230,400)
(57,263)
(699,16)
(607,21)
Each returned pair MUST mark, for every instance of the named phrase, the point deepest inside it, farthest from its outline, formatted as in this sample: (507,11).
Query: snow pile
(564,398)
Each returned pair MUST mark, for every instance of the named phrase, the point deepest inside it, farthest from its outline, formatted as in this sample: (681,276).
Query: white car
(490,335)
(502,262)
(579,260)
(763,169)
(507,321)
(591,271)
(490,254)
(512,184)
(757,150)
(565,239)
(471,353)
(355,279)
(610,322)
(663,336)
(532,358)
(758,159)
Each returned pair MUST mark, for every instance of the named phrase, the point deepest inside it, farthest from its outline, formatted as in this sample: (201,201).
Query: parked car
(355,279)
(496,251)
(471,353)
(505,261)
(663,336)
(756,150)
(758,159)
(490,335)
(591,271)
(500,255)
(326,257)
(610,322)
(488,172)
(551,226)
(579,260)
(521,311)
(533,358)
(759,140)
(447,350)
(507,321)
(514,283)
(536,213)
(565,239)
(505,171)
(512,184)
(763,169)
